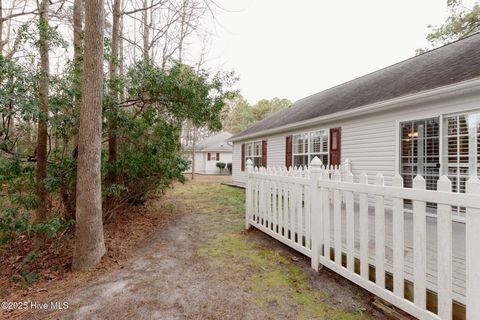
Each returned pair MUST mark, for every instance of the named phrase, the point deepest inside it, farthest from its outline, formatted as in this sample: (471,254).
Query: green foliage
(243,115)
(220,165)
(29,277)
(148,123)
(462,22)
(147,126)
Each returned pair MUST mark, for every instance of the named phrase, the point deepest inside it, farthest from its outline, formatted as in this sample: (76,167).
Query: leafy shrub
(221,165)
(229,167)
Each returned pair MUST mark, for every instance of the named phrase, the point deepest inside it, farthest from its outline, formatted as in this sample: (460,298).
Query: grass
(273,282)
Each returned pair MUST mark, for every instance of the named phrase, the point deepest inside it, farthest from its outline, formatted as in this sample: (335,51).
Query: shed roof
(217,142)
(452,63)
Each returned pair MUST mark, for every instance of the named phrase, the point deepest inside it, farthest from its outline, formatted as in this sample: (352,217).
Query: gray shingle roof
(215,143)
(455,62)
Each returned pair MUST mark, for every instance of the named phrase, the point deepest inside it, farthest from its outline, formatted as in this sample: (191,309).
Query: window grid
(253,151)
(308,145)
(420,151)
(461,137)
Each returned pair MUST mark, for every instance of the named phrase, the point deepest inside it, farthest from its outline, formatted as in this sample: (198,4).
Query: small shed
(210,151)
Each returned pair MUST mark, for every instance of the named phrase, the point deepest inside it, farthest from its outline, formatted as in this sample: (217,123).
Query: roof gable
(217,142)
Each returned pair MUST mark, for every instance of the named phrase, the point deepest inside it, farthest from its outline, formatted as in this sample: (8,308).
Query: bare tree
(16,9)
(42,135)
(89,241)
(113,73)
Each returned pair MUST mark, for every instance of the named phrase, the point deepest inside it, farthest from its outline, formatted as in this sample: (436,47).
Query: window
(460,158)
(253,151)
(461,137)
(419,152)
(306,146)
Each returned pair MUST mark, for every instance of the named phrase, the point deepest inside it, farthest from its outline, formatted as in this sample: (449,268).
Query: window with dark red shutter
(243,157)
(288,151)
(335,146)
(264,153)
(218,156)
(209,156)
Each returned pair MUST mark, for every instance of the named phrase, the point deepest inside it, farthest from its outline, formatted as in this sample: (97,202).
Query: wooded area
(93,99)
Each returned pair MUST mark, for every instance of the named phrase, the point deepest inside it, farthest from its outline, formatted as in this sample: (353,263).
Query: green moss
(274,282)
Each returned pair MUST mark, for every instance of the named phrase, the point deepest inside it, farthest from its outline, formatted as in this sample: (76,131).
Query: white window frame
(472,165)
(253,156)
(443,149)
(309,152)
(399,155)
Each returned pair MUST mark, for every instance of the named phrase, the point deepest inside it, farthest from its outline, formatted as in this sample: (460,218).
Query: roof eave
(422,96)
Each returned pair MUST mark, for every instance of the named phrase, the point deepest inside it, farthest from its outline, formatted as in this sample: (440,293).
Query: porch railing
(426,266)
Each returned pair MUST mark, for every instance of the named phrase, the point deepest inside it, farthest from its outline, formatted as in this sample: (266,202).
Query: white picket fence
(317,211)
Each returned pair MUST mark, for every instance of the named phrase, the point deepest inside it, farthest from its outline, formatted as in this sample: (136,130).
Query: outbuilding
(211,151)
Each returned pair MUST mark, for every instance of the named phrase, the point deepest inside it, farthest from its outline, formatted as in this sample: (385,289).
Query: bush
(229,167)
(221,166)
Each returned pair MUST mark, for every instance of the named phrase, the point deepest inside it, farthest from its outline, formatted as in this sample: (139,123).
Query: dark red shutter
(243,157)
(335,146)
(209,156)
(264,153)
(288,151)
(218,156)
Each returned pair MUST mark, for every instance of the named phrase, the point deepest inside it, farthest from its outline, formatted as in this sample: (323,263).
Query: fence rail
(364,232)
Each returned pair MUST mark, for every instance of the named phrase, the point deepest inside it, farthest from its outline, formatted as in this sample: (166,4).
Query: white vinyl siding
(237,174)
(276,151)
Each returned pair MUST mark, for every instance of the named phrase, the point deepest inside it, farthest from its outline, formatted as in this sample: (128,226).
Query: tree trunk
(193,151)
(89,242)
(121,53)
(69,197)
(42,131)
(146,32)
(113,73)
(2,43)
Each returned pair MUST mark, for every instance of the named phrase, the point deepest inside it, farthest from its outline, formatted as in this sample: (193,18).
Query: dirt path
(204,266)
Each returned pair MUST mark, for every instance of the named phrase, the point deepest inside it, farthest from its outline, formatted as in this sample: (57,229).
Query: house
(210,151)
(419,116)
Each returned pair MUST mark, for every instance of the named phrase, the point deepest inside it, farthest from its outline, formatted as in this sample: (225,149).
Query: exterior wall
(211,166)
(200,162)
(370,141)
(237,174)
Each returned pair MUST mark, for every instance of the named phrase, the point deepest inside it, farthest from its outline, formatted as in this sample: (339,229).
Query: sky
(292,49)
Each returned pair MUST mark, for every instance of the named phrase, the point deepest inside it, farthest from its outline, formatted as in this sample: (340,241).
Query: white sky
(291,49)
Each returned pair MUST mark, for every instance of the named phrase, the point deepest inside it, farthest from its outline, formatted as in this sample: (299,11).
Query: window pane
(460,135)
(316,142)
(300,143)
(249,151)
(258,148)
(300,161)
(257,161)
(420,151)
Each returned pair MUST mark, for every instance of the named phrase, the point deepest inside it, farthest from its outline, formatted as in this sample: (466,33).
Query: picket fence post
(248,195)
(316,212)
(472,225)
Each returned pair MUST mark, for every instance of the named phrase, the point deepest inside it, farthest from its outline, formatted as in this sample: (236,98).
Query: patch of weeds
(30,257)
(29,277)
(273,281)
(270,278)
(359,309)
(170,208)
